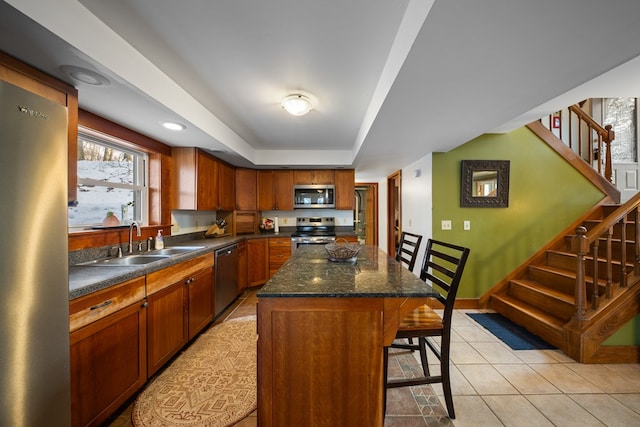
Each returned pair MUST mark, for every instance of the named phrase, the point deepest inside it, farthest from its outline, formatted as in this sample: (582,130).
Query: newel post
(608,172)
(581,246)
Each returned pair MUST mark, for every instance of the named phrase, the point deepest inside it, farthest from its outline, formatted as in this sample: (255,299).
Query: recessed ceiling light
(174,126)
(83,75)
(297,104)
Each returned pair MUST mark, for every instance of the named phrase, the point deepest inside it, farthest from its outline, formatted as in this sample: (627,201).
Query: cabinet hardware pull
(104,304)
(145,304)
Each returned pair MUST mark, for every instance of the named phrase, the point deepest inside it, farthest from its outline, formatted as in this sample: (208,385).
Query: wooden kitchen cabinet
(279,253)
(258,262)
(275,190)
(345,188)
(108,350)
(242,266)
(195,179)
(181,303)
(313,176)
(226,187)
(246,189)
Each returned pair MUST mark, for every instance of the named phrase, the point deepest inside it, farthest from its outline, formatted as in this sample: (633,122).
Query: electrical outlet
(467,225)
(446,224)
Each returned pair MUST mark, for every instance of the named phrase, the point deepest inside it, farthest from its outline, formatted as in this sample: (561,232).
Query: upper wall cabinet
(246,189)
(195,180)
(275,190)
(345,188)
(226,187)
(313,176)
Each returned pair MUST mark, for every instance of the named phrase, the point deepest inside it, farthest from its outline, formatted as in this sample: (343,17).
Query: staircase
(553,294)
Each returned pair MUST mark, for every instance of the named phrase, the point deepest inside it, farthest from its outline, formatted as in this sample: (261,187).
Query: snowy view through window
(95,201)
(110,184)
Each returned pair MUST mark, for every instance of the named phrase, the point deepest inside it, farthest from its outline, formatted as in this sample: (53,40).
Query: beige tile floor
(496,386)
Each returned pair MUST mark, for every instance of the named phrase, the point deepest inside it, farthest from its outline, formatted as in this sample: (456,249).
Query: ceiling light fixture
(85,76)
(174,126)
(297,104)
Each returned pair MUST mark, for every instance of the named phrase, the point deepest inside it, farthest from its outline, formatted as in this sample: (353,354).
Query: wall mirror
(485,184)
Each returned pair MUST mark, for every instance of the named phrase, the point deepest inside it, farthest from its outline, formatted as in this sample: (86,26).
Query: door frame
(394,211)
(374,208)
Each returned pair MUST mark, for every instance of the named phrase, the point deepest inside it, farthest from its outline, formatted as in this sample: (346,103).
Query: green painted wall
(542,185)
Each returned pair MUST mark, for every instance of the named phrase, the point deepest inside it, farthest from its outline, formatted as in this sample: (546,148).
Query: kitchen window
(112,182)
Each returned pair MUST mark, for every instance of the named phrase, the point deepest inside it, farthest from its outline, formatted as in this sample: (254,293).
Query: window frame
(141,207)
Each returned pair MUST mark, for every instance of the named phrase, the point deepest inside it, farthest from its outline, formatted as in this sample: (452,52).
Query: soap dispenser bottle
(159,240)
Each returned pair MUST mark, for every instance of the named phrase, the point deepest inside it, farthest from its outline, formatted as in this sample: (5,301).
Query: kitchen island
(322,328)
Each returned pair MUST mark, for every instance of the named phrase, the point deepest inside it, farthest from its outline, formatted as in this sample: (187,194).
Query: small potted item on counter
(110,220)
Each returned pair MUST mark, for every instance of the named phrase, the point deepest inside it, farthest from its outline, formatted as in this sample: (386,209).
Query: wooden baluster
(636,264)
(623,251)
(580,292)
(595,252)
(609,263)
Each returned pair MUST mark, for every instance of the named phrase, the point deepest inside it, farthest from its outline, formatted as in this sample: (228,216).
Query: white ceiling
(394,79)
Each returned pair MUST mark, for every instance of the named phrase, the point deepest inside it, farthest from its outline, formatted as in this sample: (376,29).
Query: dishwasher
(226,277)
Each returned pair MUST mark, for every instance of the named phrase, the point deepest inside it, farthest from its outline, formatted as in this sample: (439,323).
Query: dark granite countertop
(84,280)
(309,273)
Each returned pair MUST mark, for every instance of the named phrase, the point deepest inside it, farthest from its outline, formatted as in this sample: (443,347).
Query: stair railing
(589,241)
(586,137)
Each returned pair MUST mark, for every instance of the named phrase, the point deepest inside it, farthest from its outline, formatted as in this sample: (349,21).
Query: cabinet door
(246,189)
(266,190)
(313,176)
(242,266)
(279,253)
(283,189)
(258,262)
(166,324)
(108,364)
(200,300)
(345,188)
(207,183)
(226,187)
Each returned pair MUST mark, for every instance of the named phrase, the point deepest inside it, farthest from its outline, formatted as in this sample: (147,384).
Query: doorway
(394,211)
(365,213)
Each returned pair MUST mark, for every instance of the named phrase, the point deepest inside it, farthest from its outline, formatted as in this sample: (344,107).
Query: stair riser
(546,332)
(554,281)
(547,303)
(568,262)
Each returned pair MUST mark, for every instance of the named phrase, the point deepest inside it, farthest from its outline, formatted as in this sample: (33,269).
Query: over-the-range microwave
(314,196)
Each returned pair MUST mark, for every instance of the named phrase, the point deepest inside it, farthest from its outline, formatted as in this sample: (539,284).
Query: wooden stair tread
(546,290)
(544,325)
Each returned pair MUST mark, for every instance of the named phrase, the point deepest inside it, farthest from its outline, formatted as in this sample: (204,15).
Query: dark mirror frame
(500,200)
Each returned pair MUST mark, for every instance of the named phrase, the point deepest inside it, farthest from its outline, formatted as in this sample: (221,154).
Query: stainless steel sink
(131,260)
(175,250)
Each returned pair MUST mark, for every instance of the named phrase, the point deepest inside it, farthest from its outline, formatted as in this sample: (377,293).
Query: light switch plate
(467,225)
(446,224)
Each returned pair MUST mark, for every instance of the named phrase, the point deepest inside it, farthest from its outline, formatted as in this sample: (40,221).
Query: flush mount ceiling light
(85,76)
(297,104)
(174,126)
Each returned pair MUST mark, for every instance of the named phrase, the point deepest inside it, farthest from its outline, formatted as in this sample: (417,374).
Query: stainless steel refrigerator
(34,292)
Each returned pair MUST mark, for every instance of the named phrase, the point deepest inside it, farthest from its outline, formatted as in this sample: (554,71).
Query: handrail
(584,240)
(605,134)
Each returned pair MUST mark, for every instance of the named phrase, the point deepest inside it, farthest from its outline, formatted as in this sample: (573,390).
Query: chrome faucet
(137,226)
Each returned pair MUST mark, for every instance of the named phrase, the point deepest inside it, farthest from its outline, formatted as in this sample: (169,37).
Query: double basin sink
(141,259)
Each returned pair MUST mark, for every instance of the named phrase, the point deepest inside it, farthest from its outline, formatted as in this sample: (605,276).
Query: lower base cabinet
(108,358)
(181,304)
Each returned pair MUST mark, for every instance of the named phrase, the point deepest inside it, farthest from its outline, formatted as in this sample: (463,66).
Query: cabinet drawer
(160,279)
(279,242)
(97,305)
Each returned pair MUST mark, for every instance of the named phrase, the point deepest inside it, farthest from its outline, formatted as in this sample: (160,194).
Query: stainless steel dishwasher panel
(226,277)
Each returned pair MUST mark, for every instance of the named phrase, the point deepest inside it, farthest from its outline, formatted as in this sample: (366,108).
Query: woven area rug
(212,384)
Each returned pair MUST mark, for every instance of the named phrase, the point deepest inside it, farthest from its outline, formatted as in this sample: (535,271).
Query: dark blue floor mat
(515,336)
